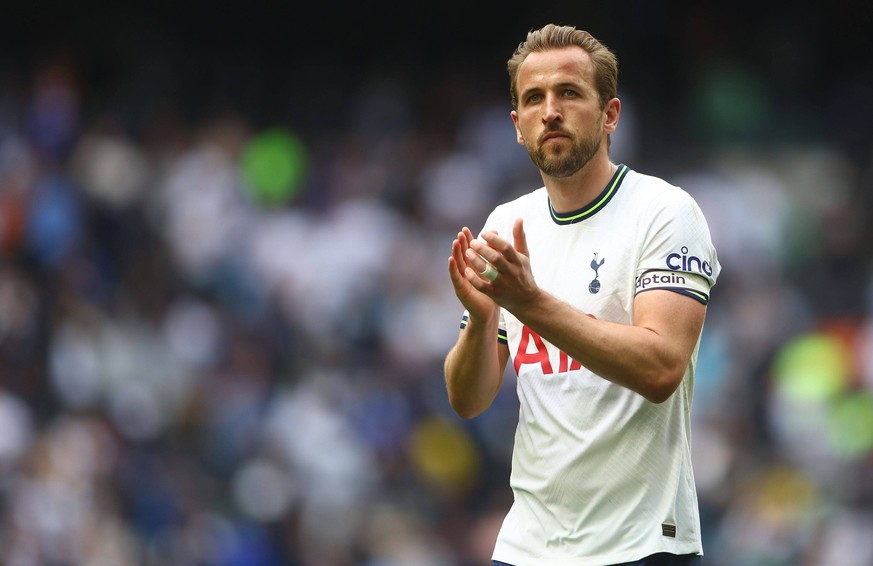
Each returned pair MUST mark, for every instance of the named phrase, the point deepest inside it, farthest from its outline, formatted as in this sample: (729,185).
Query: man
(595,286)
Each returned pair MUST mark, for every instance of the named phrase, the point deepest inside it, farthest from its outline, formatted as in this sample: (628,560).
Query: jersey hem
(617,558)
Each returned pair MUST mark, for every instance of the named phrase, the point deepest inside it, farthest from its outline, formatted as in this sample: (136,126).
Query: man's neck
(572,193)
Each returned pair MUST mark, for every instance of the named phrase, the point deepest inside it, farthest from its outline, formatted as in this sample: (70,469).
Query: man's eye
(570,93)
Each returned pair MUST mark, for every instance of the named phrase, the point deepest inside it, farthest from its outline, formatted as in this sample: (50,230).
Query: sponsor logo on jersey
(533,350)
(684,262)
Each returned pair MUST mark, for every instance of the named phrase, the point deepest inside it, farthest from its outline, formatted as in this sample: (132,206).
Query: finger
(455,268)
(462,240)
(468,235)
(482,249)
(465,264)
(456,274)
(498,251)
(459,250)
(519,237)
(476,280)
(457,254)
(477,261)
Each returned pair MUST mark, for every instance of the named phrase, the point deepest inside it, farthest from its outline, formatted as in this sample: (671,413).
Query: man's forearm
(640,358)
(473,369)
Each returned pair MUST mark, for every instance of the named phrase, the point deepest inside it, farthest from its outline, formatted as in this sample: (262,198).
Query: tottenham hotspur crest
(594,286)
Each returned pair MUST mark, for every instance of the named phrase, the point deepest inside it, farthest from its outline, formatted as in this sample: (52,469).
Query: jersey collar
(595,205)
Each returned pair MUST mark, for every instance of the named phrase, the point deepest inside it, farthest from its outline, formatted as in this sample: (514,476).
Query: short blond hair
(552,36)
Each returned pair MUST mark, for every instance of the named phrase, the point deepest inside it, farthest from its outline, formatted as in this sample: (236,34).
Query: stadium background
(223,299)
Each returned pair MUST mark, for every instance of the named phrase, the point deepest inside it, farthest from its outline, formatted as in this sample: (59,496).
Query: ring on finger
(490,272)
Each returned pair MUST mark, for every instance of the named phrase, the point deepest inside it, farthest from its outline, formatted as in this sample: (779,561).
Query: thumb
(519,238)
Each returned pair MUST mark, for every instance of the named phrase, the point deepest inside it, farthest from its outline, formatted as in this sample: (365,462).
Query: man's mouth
(553,135)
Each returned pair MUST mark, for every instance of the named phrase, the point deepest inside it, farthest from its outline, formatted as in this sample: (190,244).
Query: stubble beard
(561,165)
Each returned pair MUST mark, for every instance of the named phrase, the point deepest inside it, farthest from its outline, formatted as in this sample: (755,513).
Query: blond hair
(553,36)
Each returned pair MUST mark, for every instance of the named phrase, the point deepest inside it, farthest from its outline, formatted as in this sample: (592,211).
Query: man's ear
(518,135)
(612,110)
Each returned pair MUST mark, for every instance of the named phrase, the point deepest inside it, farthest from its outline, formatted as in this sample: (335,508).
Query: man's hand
(514,287)
(464,276)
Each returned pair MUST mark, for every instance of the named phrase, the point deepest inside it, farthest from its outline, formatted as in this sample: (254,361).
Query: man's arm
(474,369)
(474,366)
(649,356)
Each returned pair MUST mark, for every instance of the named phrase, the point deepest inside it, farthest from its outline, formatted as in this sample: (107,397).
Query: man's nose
(551,110)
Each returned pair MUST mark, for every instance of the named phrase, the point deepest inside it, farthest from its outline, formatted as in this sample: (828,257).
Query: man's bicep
(674,316)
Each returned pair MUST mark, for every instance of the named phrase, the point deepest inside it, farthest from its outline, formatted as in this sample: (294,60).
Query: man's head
(555,37)
(563,85)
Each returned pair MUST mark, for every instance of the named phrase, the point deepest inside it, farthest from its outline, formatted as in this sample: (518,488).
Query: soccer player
(596,287)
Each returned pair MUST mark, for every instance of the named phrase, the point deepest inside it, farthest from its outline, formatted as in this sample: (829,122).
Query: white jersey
(600,475)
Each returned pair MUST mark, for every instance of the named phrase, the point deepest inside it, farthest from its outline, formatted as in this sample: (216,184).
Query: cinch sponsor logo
(684,262)
(655,279)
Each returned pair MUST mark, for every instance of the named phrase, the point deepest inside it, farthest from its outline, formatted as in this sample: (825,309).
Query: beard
(560,163)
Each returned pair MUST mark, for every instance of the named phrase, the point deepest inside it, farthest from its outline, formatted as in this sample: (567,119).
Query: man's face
(559,118)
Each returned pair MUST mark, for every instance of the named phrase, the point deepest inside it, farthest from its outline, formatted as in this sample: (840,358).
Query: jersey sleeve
(501,328)
(677,254)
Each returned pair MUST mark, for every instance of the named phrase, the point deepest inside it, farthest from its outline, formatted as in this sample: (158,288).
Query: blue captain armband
(682,282)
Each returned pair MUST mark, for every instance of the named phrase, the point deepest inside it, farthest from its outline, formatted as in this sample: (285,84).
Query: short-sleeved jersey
(599,474)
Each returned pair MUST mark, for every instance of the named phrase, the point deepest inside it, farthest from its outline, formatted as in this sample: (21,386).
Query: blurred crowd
(200,368)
